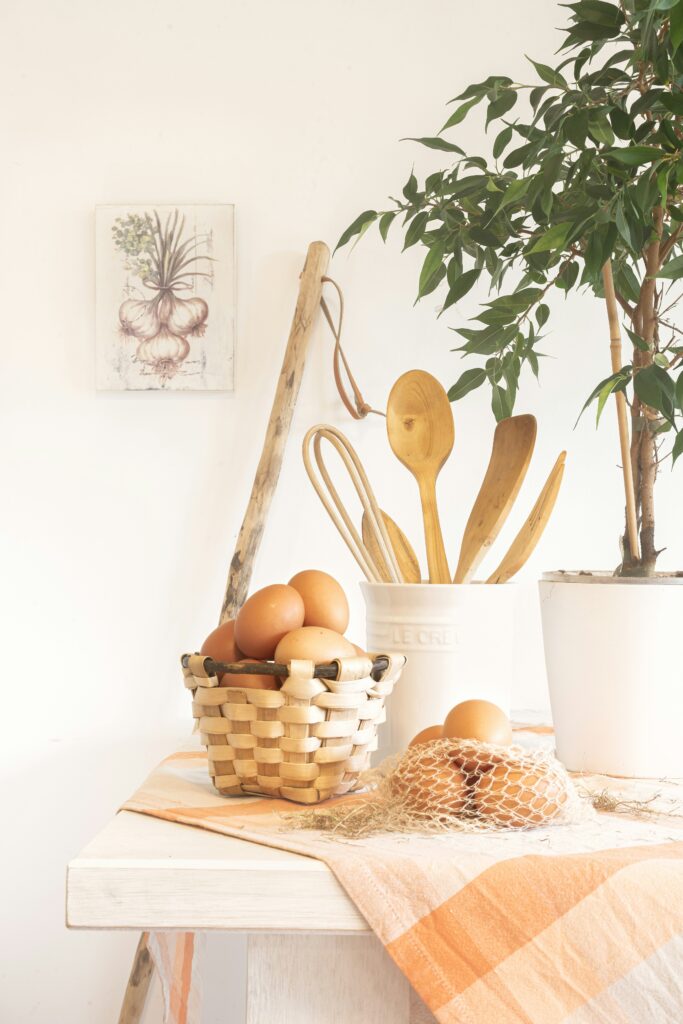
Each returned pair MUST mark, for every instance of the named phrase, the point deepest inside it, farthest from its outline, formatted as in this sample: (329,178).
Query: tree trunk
(643,419)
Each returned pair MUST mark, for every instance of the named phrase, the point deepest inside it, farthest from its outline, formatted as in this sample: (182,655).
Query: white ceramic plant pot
(612,650)
(458,640)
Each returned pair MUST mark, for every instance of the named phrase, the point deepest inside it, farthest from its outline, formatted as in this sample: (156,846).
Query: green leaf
(517,156)
(487,341)
(632,156)
(600,128)
(500,402)
(433,271)
(481,88)
(673,101)
(416,229)
(623,225)
(513,193)
(678,393)
(664,5)
(636,339)
(517,302)
(655,389)
(385,222)
(576,127)
(360,224)
(621,122)
(598,12)
(460,286)
(673,269)
(567,276)
(676,27)
(602,398)
(542,314)
(615,382)
(678,447)
(500,106)
(627,282)
(410,188)
(501,141)
(553,238)
(549,75)
(467,382)
(460,113)
(433,143)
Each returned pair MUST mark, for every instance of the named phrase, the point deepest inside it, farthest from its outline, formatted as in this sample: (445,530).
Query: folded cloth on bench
(576,924)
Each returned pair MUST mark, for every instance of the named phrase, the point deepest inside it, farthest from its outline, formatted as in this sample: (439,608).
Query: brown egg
(360,652)
(266,617)
(220,644)
(436,788)
(249,682)
(432,732)
(324,600)
(516,797)
(478,720)
(472,759)
(313,643)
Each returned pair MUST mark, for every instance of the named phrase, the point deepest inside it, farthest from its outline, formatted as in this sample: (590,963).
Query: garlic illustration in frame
(165,297)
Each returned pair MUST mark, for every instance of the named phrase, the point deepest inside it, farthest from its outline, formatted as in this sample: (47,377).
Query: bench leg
(324,979)
(139,981)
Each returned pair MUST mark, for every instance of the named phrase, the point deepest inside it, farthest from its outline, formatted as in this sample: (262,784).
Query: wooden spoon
(403,549)
(532,530)
(513,446)
(421,435)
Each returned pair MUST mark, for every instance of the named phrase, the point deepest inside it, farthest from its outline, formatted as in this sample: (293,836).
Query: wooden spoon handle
(533,527)
(436,552)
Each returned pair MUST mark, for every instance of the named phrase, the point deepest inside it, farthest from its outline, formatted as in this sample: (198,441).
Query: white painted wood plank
(323,980)
(143,873)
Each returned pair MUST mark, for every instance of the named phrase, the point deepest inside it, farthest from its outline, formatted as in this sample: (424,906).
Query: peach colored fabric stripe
(631,997)
(628,918)
(186,755)
(178,1012)
(244,809)
(505,907)
(538,730)
(177,957)
(185,976)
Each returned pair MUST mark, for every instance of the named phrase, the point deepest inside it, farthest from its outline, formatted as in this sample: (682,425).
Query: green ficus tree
(583,189)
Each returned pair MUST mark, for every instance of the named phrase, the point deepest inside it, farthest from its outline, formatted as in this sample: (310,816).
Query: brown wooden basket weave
(307,741)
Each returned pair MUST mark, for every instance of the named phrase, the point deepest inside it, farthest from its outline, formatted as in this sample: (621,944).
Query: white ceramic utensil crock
(458,639)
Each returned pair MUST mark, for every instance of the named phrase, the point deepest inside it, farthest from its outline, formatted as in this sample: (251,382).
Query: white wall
(120,511)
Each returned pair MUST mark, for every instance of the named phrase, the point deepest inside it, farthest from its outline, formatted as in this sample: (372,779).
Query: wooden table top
(144,873)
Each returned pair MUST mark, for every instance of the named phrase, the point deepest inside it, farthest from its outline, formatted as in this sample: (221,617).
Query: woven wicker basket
(307,741)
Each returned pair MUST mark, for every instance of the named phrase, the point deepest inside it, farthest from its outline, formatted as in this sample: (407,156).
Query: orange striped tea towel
(579,924)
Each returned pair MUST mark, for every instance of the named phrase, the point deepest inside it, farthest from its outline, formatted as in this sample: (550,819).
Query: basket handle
(329,670)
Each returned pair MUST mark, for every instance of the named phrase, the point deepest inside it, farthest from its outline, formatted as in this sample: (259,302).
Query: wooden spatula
(513,446)
(532,530)
(421,435)
(403,549)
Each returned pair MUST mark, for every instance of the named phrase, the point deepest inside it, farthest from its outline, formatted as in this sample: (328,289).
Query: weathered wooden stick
(622,414)
(265,481)
(251,531)
(138,984)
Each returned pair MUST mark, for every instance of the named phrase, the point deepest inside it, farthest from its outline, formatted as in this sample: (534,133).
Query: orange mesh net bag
(462,785)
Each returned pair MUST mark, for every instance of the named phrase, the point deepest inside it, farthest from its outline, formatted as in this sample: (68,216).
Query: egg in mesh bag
(468,785)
